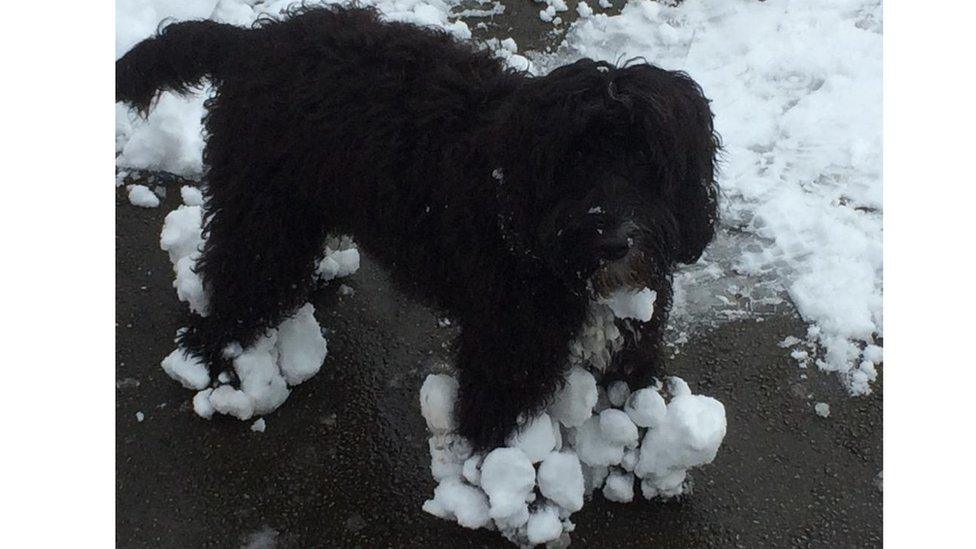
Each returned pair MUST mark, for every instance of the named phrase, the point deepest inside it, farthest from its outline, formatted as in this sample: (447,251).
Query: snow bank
(286,356)
(583,443)
(796,91)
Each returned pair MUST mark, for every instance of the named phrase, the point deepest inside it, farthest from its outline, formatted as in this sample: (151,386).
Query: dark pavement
(344,461)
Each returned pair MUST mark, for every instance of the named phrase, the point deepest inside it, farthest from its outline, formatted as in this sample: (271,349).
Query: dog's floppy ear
(680,137)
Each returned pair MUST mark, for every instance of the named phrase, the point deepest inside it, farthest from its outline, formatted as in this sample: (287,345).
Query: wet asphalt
(344,462)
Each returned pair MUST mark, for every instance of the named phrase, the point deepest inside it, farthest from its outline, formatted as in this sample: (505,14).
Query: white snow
(822,409)
(191,195)
(456,500)
(588,439)
(497,490)
(140,416)
(638,305)
(536,437)
(259,425)
(617,393)
(689,436)
(544,525)
(617,428)
(286,356)
(301,346)
(188,370)
(646,408)
(619,487)
(583,9)
(507,477)
(338,263)
(437,397)
(142,196)
(796,92)
(574,403)
(561,480)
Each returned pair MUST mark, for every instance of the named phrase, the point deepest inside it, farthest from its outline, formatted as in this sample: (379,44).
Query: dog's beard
(629,272)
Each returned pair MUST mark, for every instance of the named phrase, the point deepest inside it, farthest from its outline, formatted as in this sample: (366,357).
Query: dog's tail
(176,59)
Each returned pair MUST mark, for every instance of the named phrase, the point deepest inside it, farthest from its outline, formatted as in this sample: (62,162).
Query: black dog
(508,200)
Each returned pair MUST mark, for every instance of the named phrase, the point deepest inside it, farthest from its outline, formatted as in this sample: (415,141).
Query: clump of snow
(588,439)
(259,425)
(191,195)
(535,437)
(507,477)
(689,436)
(142,196)
(437,397)
(140,416)
(574,403)
(822,409)
(638,305)
(540,478)
(583,9)
(285,356)
(797,101)
(187,369)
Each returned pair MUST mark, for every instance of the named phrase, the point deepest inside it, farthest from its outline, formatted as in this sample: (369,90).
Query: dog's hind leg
(257,266)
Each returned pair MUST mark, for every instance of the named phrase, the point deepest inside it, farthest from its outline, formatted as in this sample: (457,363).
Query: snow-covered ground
(796,91)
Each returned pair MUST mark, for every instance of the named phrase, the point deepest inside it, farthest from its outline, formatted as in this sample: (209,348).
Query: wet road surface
(344,461)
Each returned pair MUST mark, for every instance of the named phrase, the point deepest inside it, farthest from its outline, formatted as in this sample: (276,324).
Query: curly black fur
(508,200)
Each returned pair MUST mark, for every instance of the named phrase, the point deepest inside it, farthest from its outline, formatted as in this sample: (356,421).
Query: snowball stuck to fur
(455,500)
(301,347)
(536,438)
(186,369)
(619,487)
(228,400)
(338,264)
(437,397)
(261,380)
(594,448)
(638,305)
(507,476)
(574,403)
(544,525)
(561,480)
(617,393)
(646,407)
(191,195)
(689,436)
(201,404)
(618,428)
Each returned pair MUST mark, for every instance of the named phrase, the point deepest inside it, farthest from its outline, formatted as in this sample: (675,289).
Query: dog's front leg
(511,363)
(640,359)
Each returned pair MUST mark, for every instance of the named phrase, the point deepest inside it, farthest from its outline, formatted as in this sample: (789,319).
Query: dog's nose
(613,248)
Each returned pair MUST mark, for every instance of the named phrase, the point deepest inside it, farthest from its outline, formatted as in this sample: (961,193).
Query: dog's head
(608,173)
